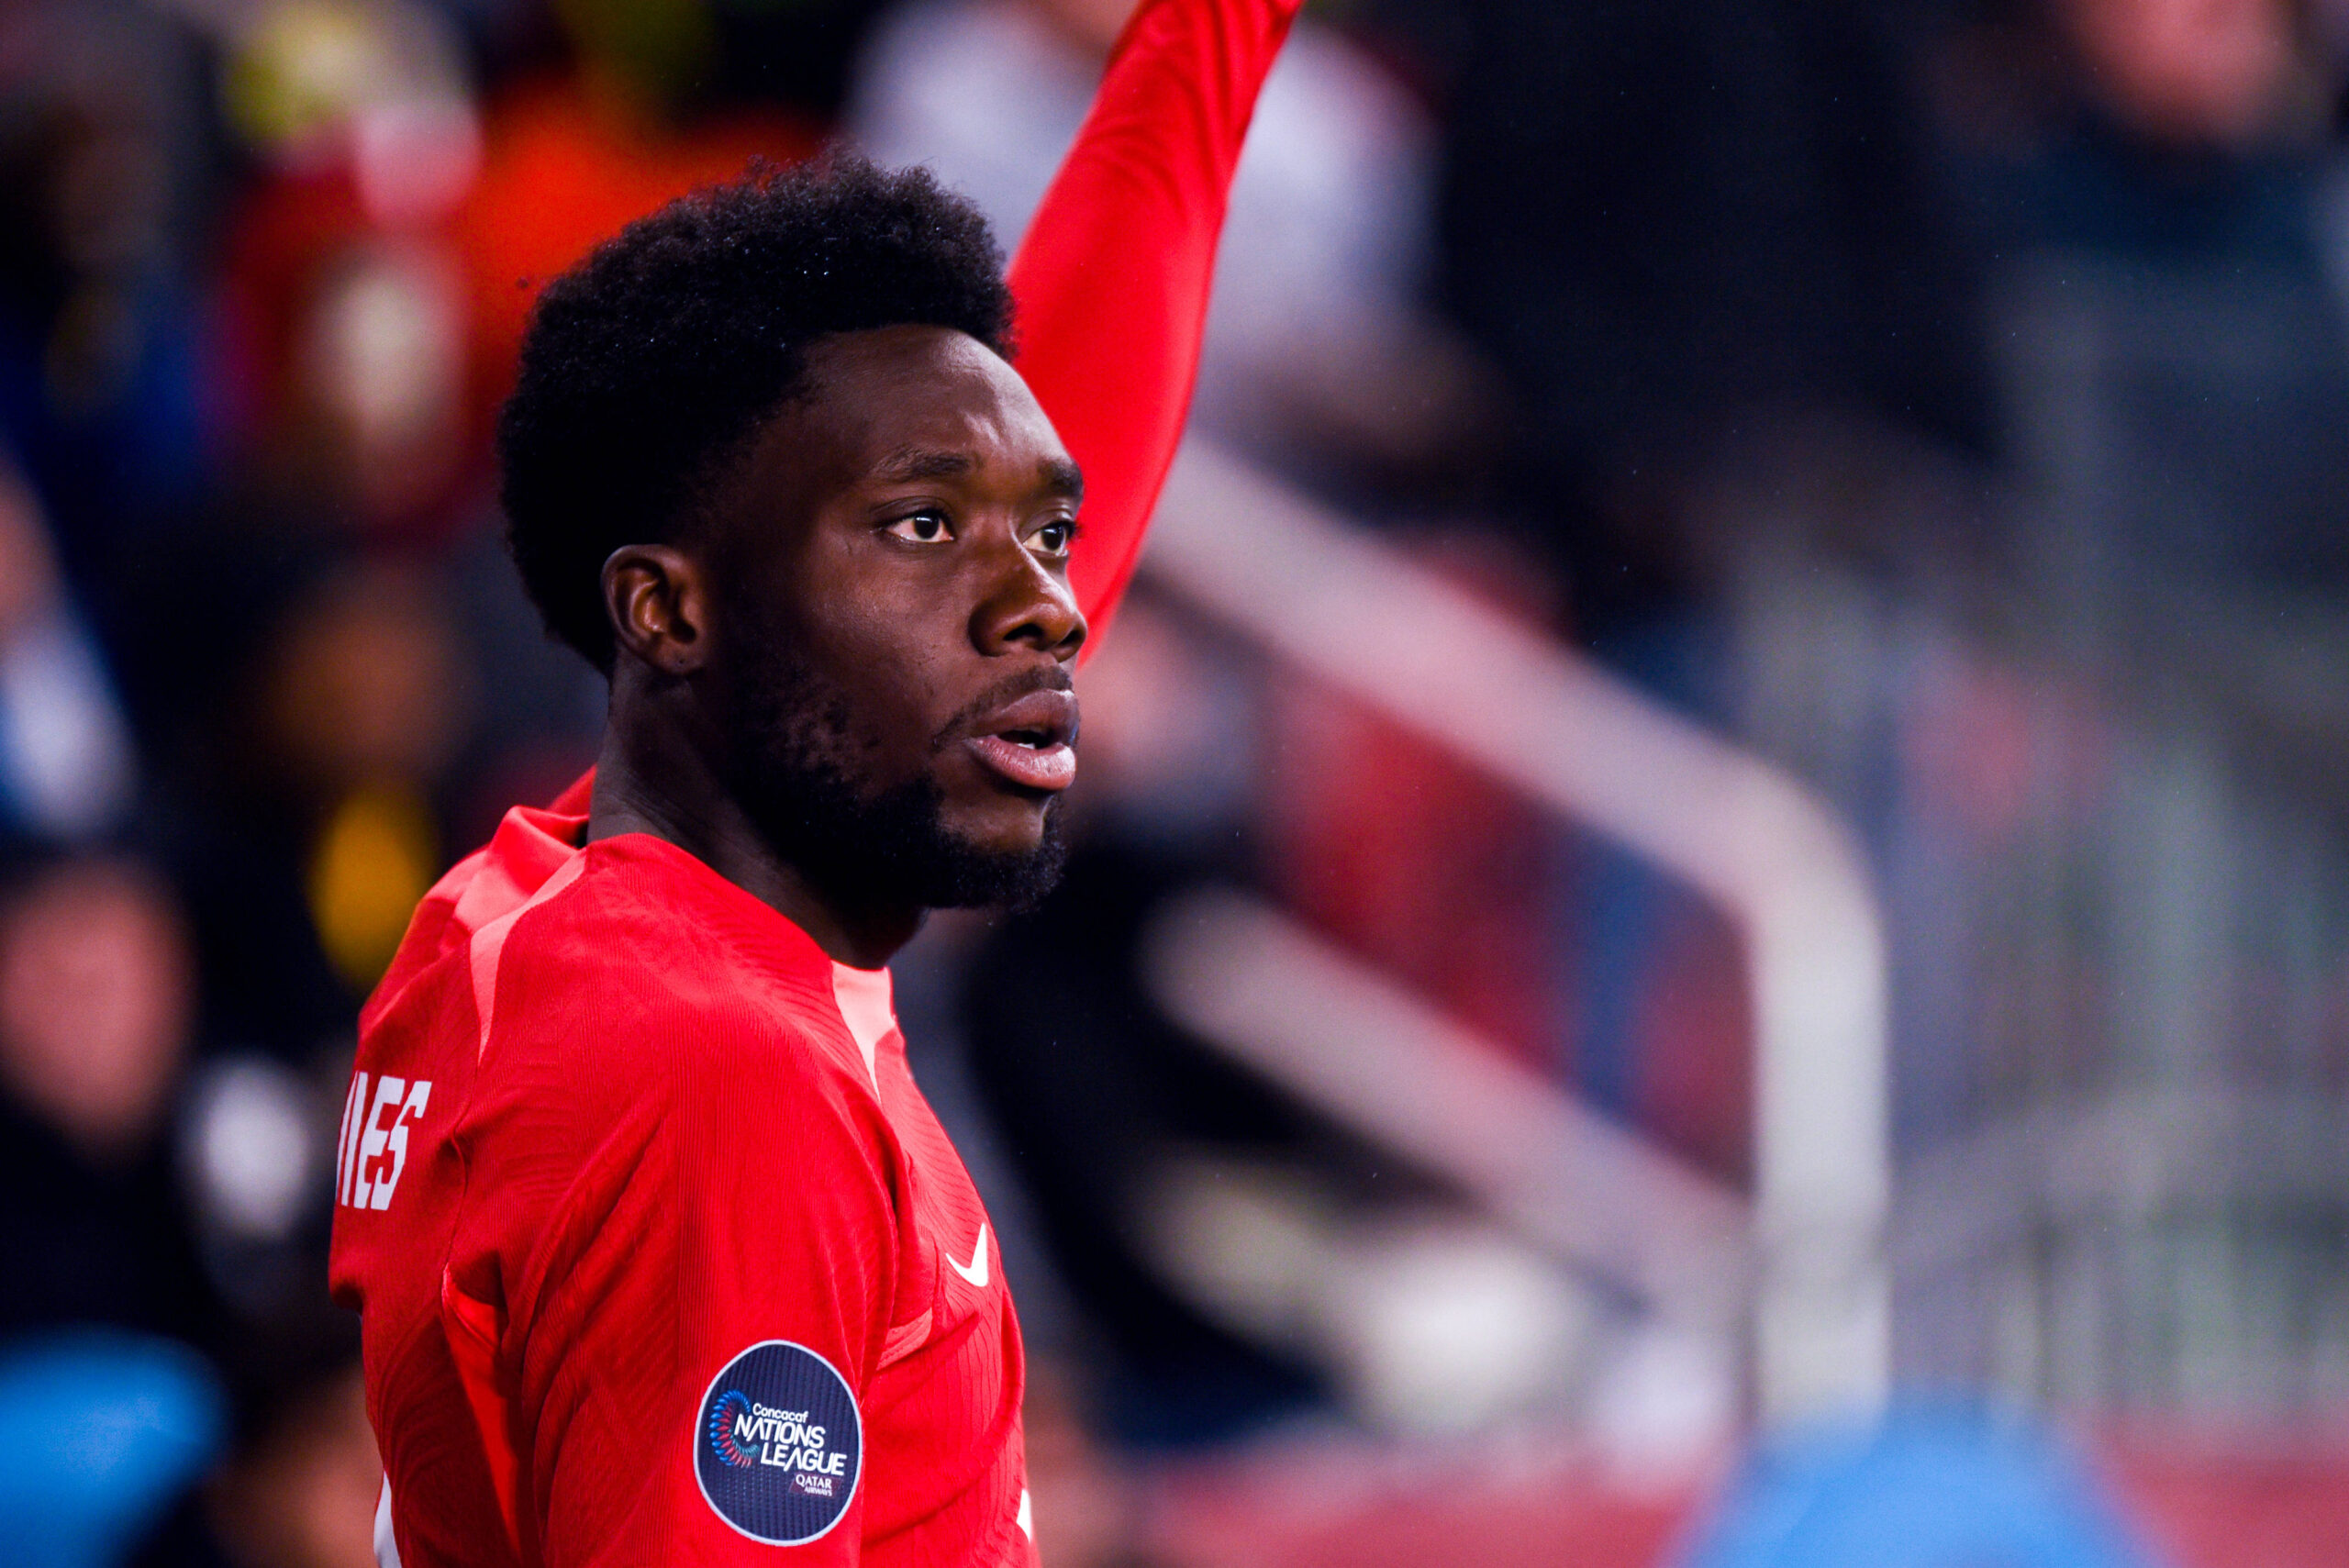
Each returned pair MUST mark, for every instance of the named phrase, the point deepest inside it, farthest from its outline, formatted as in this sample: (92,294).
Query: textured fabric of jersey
(1112,278)
(622,1142)
(645,1125)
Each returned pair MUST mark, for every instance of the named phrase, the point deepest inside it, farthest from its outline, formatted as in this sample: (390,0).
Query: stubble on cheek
(846,782)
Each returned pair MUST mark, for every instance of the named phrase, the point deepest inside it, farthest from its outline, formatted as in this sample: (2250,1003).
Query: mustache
(1010,689)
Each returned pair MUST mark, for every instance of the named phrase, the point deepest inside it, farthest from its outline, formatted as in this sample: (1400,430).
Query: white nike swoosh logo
(975,1271)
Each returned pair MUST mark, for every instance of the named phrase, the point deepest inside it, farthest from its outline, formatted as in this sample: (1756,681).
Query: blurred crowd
(2029,318)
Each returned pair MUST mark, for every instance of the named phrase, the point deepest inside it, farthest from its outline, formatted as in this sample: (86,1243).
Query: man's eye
(928,526)
(1054,538)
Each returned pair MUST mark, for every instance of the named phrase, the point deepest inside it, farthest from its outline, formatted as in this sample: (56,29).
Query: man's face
(896,626)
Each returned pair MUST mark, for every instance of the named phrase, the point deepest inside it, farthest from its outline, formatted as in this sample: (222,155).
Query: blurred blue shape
(100,1431)
(1935,1487)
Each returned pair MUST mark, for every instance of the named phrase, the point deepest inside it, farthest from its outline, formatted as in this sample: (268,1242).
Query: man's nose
(1027,604)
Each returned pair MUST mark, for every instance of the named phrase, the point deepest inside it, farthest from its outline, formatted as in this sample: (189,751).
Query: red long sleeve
(1112,280)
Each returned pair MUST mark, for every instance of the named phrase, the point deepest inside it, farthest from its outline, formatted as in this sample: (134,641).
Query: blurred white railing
(1273,995)
(1333,602)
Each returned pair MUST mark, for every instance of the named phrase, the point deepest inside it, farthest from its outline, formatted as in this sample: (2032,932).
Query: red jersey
(660,1255)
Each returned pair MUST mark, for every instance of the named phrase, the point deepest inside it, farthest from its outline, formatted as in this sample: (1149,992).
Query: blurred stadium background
(1712,919)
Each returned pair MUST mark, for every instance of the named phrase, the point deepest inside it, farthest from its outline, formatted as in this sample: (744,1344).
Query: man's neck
(652,789)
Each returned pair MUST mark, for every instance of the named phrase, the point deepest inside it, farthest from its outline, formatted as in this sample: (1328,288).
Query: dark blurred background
(1931,415)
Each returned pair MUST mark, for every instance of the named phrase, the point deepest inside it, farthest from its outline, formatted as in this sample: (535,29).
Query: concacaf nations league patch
(778,1445)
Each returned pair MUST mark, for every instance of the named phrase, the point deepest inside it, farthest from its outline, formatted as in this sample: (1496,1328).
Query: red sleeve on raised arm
(1112,279)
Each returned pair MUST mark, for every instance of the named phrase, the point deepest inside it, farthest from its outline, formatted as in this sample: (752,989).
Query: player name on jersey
(372,1152)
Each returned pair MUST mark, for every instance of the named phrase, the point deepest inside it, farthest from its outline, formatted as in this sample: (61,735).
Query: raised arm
(1112,280)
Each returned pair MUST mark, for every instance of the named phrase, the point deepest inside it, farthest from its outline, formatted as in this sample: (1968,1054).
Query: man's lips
(1030,741)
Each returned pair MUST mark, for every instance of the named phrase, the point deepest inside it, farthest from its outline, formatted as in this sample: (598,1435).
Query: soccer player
(661,1256)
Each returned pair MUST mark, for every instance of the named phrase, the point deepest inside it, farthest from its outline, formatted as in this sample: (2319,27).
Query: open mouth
(1030,741)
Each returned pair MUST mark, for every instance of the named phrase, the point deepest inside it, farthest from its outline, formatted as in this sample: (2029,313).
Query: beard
(801,773)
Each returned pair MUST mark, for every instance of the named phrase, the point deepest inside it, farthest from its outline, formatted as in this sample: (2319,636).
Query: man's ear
(659,604)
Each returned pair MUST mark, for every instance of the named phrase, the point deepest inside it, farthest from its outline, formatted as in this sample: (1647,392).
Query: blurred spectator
(638,114)
(362,700)
(1660,221)
(2169,333)
(344,335)
(377,281)
(96,1015)
(102,178)
(357,346)
(1318,358)
(93,1003)
(570,160)
(128,1202)
(303,817)
(2228,74)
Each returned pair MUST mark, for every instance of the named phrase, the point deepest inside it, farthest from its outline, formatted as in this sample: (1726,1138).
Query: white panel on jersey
(387,1551)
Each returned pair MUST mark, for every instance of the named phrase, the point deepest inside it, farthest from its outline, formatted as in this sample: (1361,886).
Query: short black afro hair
(647,367)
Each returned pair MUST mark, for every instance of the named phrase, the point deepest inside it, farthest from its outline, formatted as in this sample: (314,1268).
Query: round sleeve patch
(779,1444)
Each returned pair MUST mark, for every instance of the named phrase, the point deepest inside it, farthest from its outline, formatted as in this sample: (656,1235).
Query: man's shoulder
(635,962)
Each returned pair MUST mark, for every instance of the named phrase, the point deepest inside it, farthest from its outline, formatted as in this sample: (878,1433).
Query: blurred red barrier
(1341,1505)
(2238,1505)
(1483,1504)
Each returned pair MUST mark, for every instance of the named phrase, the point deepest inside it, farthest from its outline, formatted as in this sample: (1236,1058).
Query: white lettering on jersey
(354,1106)
(371,1153)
